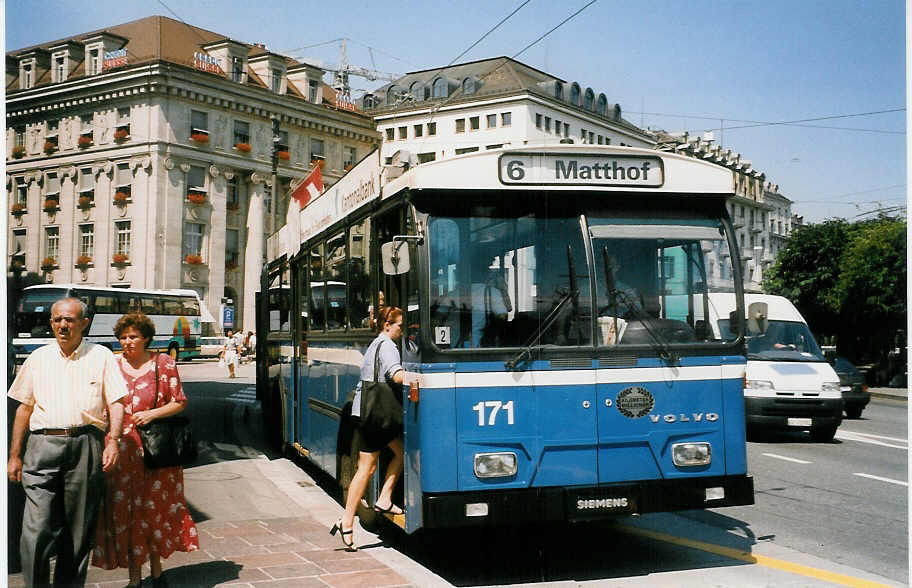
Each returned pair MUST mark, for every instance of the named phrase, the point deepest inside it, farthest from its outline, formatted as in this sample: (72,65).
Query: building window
(276,80)
(466,150)
(602,104)
(589,99)
(468,86)
(199,123)
(460,125)
(233,200)
(403,133)
(474,123)
(18,246)
(575,94)
(19,139)
(591,137)
(51,133)
(59,69)
(539,119)
(547,124)
(87,125)
(557,127)
(348,155)
(237,69)
(313,90)
(282,145)
(491,120)
(52,186)
(232,249)
(193,239)
(440,88)
(241,132)
(86,240)
(123,121)
(122,238)
(123,180)
(196,179)
(432,129)
(426,157)
(506,119)
(27,79)
(21,191)
(391,134)
(417,91)
(95,61)
(52,243)
(558,90)
(316,149)
(607,140)
(86,186)
(497,146)
(418,130)
(583,135)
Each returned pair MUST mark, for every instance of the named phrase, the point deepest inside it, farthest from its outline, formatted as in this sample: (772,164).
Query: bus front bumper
(536,505)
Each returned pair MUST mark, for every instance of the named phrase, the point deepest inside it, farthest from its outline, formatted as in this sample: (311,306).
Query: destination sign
(583,169)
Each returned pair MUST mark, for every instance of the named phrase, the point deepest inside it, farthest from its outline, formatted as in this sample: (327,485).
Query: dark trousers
(64,486)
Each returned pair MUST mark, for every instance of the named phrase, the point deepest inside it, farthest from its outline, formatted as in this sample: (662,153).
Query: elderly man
(63,390)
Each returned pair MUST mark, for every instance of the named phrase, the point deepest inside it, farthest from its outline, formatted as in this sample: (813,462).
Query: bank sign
(582,169)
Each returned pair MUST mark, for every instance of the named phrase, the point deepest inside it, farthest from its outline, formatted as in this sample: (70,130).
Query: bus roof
(554,167)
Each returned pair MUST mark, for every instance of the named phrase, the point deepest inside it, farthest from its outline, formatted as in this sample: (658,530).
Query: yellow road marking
(762,560)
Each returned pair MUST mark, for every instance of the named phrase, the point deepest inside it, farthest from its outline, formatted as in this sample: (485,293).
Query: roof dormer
(95,48)
(64,59)
(231,56)
(308,79)
(32,64)
(271,69)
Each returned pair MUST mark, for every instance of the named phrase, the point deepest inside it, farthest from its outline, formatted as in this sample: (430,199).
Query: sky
(835,70)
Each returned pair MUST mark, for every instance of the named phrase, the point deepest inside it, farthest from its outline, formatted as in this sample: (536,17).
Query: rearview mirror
(756,318)
(395,258)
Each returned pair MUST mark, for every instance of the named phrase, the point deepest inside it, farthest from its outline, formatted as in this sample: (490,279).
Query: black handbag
(167,442)
(381,407)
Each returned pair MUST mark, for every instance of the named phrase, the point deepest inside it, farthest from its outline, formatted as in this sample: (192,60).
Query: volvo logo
(685,418)
(635,402)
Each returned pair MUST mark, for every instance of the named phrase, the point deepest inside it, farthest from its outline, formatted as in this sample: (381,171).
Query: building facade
(141,156)
(761,216)
(489,104)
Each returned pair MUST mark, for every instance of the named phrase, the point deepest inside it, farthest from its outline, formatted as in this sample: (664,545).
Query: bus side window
(171,305)
(359,284)
(106,303)
(190,307)
(150,305)
(122,302)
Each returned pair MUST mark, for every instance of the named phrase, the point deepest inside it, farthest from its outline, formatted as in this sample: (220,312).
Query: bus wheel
(172,352)
(369,519)
(823,434)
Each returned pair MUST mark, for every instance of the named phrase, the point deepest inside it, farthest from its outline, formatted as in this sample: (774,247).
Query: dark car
(855,393)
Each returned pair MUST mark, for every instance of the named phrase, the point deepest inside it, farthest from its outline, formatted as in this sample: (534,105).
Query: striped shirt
(69,391)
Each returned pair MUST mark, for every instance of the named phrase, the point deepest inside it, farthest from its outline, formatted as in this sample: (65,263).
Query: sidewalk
(287,543)
(894,393)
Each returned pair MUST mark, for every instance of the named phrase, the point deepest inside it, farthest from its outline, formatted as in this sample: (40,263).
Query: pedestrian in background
(64,389)
(231,354)
(144,515)
(371,441)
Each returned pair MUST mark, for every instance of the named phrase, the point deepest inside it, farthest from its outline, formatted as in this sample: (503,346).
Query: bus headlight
(758,384)
(691,454)
(495,465)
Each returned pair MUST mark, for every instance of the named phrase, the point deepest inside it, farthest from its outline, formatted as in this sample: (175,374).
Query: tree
(807,272)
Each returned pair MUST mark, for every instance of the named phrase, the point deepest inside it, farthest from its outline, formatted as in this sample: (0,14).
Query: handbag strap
(155,359)
(377,362)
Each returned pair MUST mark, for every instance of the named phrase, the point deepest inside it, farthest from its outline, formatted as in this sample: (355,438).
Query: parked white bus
(177,315)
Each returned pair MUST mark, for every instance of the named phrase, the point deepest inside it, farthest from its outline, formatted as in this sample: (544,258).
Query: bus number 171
(494,406)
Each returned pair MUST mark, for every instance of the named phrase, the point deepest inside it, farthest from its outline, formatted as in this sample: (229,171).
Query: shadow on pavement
(206,574)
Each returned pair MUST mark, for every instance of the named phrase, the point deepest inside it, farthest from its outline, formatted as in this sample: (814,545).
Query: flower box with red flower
(84,141)
(196,198)
(119,259)
(194,259)
(245,147)
(48,263)
(121,135)
(50,147)
(85,202)
(199,137)
(18,209)
(285,155)
(233,206)
(83,261)
(18,151)
(231,266)
(121,198)
(51,206)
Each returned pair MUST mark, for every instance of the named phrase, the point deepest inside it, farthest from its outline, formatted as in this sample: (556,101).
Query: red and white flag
(310,188)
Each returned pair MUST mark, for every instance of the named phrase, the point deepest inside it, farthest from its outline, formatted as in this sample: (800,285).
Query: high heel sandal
(391,509)
(350,544)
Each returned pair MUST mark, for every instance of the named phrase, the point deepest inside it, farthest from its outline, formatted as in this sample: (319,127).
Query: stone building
(140,156)
(488,104)
(761,215)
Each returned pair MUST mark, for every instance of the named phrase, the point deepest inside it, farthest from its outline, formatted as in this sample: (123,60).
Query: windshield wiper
(660,344)
(572,295)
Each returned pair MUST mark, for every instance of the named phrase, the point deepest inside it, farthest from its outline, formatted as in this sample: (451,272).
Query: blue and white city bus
(559,362)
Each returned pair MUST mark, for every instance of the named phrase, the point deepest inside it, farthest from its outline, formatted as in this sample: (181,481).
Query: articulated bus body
(559,363)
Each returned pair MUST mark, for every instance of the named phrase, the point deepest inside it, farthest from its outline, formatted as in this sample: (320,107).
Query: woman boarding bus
(558,361)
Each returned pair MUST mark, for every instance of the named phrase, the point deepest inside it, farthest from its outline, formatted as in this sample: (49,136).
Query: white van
(789,383)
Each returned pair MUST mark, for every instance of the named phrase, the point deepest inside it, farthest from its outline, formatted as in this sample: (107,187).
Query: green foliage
(848,280)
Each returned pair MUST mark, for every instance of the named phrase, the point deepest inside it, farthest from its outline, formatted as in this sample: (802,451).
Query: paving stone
(386,577)
(297,570)
(259,560)
(268,538)
(311,582)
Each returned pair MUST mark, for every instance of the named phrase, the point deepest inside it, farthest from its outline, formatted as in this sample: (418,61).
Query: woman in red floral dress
(144,515)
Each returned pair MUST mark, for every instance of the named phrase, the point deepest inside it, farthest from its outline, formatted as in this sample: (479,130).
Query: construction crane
(340,75)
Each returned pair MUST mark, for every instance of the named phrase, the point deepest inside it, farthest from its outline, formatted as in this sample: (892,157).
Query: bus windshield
(33,315)
(499,280)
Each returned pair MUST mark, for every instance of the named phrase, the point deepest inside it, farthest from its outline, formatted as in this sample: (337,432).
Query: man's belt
(68,431)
